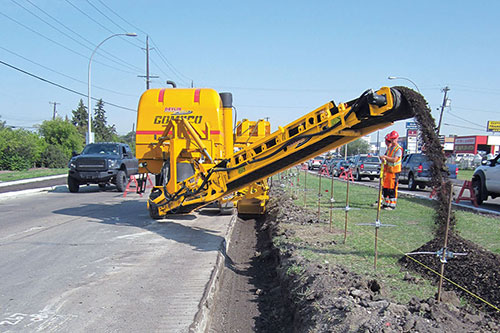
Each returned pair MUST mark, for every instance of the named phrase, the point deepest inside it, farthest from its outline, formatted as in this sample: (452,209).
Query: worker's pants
(390,189)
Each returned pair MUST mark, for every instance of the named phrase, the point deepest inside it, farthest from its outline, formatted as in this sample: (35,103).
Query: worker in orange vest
(392,167)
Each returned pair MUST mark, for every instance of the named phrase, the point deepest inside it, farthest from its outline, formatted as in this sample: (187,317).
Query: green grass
(414,227)
(465,174)
(6,176)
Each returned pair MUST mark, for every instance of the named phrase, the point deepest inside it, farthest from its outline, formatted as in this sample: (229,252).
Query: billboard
(493,126)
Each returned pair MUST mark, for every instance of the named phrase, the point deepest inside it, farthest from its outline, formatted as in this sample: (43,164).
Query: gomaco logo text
(166,119)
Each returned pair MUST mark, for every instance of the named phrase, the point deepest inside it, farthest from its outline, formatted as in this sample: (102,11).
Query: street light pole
(404,78)
(89,97)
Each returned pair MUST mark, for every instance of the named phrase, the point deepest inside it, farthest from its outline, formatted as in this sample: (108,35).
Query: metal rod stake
(445,244)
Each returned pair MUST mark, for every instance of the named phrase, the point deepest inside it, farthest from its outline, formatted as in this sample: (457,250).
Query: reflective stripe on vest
(393,167)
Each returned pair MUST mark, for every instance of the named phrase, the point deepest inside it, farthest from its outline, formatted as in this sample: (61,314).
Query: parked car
(327,163)
(365,165)
(415,171)
(102,163)
(315,163)
(486,180)
(339,167)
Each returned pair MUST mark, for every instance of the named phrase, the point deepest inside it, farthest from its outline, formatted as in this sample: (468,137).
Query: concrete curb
(202,317)
(10,195)
(31,180)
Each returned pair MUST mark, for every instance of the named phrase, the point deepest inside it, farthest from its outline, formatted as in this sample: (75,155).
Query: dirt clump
(329,298)
(477,271)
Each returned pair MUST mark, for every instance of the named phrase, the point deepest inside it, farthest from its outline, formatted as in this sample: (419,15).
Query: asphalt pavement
(95,261)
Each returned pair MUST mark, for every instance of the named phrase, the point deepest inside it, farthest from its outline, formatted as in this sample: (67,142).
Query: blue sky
(280,59)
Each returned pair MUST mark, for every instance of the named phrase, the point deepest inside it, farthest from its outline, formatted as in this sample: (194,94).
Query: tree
(2,124)
(129,139)
(103,132)
(80,119)
(359,146)
(63,135)
(19,149)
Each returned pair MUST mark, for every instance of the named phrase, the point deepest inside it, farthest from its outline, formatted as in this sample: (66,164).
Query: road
(95,261)
(490,206)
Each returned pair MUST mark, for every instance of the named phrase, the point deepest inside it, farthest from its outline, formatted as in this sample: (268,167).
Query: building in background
(477,144)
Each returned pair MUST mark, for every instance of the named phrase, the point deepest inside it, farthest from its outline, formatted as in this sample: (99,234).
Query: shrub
(53,157)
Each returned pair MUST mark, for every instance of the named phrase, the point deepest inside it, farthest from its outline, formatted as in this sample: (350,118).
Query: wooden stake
(305,187)
(331,207)
(346,210)
(319,198)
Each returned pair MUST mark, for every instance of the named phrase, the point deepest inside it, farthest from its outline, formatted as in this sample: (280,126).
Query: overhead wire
(97,22)
(71,37)
(61,45)
(472,128)
(65,75)
(63,87)
(183,78)
(463,119)
(83,37)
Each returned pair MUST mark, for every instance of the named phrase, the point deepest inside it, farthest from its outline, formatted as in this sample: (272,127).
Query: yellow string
(437,273)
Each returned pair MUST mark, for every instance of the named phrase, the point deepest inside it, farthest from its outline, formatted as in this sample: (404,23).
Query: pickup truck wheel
(73,185)
(477,185)
(357,176)
(412,186)
(121,181)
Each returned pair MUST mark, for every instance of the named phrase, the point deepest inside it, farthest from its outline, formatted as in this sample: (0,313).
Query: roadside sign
(493,126)
(411,125)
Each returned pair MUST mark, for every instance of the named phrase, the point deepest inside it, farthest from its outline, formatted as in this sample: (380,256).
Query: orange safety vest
(396,166)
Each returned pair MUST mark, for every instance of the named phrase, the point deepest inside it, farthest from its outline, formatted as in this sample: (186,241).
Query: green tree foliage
(54,157)
(63,135)
(103,132)
(19,149)
(359,146)
(129,139)
(80,119)
(2,124)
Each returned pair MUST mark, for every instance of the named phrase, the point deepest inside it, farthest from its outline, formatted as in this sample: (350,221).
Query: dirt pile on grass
(329,298)
(479,270)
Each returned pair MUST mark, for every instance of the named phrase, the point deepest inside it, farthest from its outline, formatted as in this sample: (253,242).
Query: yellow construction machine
(185,137)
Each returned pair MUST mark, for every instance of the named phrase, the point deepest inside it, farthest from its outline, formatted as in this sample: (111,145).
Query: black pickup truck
(415,170)
(102,163)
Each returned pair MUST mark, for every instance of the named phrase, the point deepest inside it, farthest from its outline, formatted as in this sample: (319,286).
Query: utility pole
(147,76)
(445,102)
(55,111)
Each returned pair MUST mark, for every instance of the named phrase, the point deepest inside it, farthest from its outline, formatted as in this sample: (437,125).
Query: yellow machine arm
(321,130)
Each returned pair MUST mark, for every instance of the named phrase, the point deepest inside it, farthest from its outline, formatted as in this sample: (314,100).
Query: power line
(70,37)
(168,64)
(472,128)
(109,19)
(156,48)
(62,74)
(83,38)
(61,86)
(98,23)
(124,20)
(477,110)
(61,45)
(463,119)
